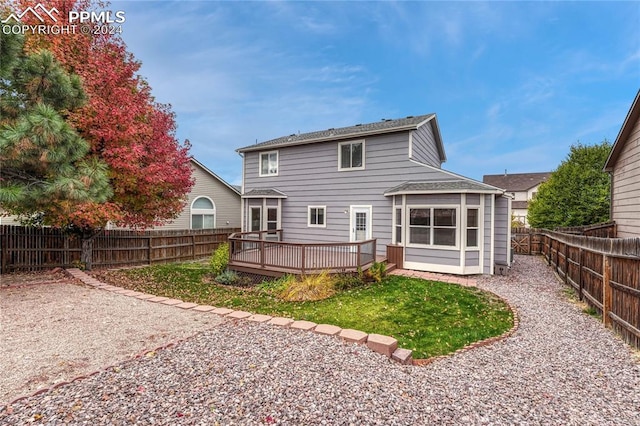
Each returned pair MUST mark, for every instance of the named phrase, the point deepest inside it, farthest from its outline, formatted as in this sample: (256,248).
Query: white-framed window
(473,217)
(317,216)
(351,155)
(433,226)
(203,213)
(397,217)
(269,163)
(255,218)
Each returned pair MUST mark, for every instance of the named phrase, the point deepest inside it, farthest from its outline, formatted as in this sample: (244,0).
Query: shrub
(219,259)
(276,287)
(309,288)
(376,272)
(227,277)
(348,281)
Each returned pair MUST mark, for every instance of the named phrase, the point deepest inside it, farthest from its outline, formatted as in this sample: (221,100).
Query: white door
(360,223)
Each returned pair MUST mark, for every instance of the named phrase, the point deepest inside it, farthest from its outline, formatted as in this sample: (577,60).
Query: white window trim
(251,209)
(432,226)
(193,211)
(309,224)
(260,163)
(348,169)
(467,227)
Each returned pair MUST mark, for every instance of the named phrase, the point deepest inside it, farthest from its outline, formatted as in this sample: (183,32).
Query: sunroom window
(433,226)
(472,227)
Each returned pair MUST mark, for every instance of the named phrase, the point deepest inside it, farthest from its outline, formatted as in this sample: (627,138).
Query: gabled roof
(359,130)
(234,188)
(623,135)
(264,193)
(457,186)
(516,182)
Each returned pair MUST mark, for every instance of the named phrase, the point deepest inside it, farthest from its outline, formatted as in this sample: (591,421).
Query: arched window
(203,213)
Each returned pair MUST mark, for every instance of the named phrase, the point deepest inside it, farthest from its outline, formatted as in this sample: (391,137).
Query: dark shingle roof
(443,186)
(516,181)
(384,126)
(264,193)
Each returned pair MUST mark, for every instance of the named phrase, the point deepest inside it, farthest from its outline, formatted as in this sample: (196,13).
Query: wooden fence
(605,272)
(32,249)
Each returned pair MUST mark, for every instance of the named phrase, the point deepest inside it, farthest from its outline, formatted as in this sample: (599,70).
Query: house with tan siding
(212,202)
(623,165)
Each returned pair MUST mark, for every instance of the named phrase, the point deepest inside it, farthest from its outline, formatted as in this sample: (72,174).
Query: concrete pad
(222,311)
(353,336)
(403,356)
(259,318)
(327,329)
(384,345)
(172,302)
(303,325)
(186,305)
(282,322)
(204,308)
(239,315)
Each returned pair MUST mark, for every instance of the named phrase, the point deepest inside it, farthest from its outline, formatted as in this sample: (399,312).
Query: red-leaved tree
(149,169)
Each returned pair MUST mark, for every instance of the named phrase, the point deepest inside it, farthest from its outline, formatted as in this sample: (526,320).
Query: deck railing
(266,250)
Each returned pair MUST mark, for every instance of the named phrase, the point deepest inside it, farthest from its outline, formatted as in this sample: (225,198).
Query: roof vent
(358,125)
(292,134)
(331,128)
(409,116)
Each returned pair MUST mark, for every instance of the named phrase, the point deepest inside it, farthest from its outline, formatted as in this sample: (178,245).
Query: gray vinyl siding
(488,202)
(309,175)
(432,256)
(473,199)
(227,202)
(472,258)
(501,223)
(625,203)
(424,147)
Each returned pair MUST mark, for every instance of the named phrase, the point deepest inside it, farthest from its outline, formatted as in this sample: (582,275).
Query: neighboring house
(623,166)
(212,203)
(522,186)
(381,180)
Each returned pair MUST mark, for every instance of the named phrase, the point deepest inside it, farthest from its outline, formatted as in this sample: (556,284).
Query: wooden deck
(263,253)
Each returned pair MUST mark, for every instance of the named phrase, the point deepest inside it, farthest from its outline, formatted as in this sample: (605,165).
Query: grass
(431,318)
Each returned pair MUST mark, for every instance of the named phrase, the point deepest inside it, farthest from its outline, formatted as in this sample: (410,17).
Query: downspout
(242,200)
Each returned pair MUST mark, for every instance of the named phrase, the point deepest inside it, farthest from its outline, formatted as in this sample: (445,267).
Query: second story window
(269,163)
(351,155)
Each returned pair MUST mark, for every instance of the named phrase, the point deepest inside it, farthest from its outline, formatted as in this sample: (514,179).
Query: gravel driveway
(560,367)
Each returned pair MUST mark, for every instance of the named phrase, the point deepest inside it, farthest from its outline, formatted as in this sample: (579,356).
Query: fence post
(580,285)
(193,245)
(261,245)
(150,245)
(606,289)
(566,263)
(548,247)
(530,237)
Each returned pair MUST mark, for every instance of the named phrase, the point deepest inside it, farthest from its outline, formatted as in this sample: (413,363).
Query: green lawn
(431,318)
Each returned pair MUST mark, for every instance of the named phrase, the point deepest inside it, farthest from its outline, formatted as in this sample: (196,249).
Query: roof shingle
(516,182)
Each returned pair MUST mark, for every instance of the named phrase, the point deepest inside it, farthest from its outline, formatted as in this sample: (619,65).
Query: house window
(472,227)
(317,216)
(203,213)
(351,155)
(420,226)
(272,218)
(255,219)
(398,226)
(269,163)
(433,226)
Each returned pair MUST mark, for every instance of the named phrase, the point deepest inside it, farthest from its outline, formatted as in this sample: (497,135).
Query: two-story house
(523,187)
(380,180)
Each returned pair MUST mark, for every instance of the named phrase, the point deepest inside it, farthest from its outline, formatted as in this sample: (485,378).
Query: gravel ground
(560,367)
(53,329)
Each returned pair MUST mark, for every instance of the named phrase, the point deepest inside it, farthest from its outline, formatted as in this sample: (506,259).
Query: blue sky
(513,84)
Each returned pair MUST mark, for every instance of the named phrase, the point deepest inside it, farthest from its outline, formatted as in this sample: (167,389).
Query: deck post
(359,260)
(303,249)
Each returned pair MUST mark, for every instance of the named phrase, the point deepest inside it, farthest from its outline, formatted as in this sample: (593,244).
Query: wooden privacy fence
(32,249)
(605,272)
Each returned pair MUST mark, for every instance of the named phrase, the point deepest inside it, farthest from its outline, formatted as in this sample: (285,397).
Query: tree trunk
(86,254)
